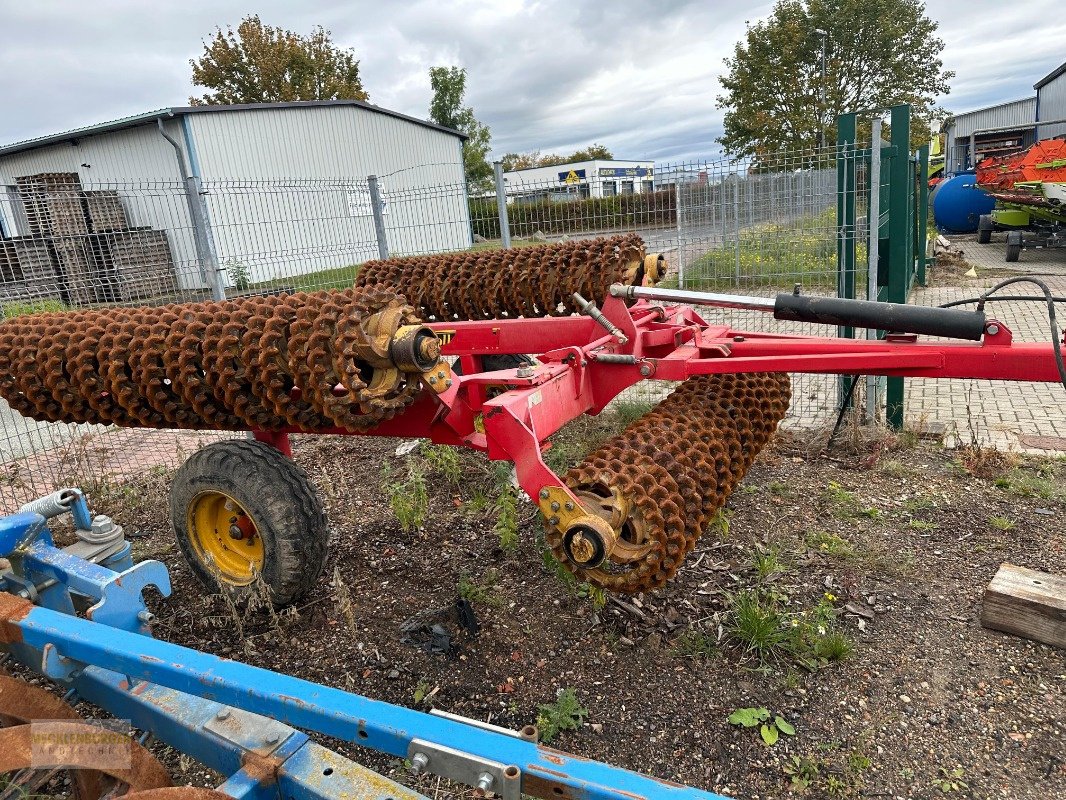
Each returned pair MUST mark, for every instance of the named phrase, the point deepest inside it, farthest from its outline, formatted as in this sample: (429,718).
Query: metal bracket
(252,732)
(504,780)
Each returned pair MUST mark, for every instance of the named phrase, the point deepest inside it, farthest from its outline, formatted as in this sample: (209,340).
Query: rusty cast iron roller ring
(686,456)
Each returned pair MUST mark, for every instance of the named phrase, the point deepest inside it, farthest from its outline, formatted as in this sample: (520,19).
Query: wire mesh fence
(758,226)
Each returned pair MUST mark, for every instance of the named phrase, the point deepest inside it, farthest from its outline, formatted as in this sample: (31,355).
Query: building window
(610,188)
(627,187)
(647,186)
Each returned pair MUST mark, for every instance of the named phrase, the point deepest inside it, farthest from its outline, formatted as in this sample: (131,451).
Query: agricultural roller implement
(435,348)
(410,352)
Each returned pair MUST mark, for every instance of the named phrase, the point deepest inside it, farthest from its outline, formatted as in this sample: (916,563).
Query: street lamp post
(821,93)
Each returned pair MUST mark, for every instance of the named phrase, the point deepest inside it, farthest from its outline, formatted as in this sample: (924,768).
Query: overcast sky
(640,77)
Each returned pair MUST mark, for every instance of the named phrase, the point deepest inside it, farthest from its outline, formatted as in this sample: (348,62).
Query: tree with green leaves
(878,53)
(533,158)
(447,109)
(261,64)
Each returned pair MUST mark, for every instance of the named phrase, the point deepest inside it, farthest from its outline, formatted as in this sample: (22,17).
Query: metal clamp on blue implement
(77,616)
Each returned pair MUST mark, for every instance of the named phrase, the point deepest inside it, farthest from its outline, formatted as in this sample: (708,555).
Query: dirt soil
(901,538)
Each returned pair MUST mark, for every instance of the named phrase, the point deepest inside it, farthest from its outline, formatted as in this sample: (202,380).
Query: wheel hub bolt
(235,532)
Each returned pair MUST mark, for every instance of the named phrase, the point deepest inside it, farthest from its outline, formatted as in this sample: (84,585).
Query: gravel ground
(895,535)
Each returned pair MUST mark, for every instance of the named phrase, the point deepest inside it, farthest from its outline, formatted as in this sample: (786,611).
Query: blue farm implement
(77,616)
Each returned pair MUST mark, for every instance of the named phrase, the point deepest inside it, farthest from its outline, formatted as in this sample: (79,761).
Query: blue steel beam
(333,712)
(292,766)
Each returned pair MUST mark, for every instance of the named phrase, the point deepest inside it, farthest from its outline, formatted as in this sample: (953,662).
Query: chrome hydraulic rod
(694,298)
(796,307)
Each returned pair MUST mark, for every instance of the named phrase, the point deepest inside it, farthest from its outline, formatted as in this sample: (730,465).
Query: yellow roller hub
(225,538)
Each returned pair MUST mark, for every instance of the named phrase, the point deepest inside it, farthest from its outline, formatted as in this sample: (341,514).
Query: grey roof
(1050,76)
(170,113)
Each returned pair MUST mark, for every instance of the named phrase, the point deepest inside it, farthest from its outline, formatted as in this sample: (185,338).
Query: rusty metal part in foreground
(354,355)
(536,281)
(24,748)
(649,493)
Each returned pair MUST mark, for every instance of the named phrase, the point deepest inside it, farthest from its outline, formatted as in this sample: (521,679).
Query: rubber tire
(1014,246)
(984,229)
(277,494)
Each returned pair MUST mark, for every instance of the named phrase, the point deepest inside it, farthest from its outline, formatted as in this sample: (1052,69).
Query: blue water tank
(958,204)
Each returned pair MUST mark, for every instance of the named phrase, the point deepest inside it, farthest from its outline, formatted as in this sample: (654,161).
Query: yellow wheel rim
(225,537)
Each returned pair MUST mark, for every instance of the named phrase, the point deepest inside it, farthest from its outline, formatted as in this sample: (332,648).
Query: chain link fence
(757,226)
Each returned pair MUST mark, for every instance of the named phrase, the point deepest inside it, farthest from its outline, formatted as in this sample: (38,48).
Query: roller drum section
(353,357)
(652,490)
(535,281)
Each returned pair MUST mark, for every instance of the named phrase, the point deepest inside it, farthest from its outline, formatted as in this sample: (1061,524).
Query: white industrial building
(580,179)
(284,184)
(1007,127)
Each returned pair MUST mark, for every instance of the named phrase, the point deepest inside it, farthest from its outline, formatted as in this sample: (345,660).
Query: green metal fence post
(900,241)
(846,176)
(923,212)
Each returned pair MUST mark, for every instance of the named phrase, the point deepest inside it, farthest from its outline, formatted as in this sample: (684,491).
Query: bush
(575,216)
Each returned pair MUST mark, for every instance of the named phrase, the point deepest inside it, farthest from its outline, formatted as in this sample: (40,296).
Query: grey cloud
(639,77)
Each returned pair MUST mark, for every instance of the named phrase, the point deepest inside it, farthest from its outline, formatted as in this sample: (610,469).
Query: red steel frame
(668,343)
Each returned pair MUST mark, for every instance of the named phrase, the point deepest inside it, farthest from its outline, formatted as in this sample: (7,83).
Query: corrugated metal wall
(125,156)
(1017,113)
(315,214)
(1052,105)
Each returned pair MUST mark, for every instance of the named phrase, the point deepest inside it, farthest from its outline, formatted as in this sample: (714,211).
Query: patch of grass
(19,308)
(629,411)
(719,523)
(506,527)
(565,714)
(1001,523)
(336,278)
(694,644)
(497,244)
(830,544)
(921,525)
(802,251)
(408,496)
(757,622)
(443,461)
(779,489)
(767,564)
(1044,483)
(482,592)
(843,504)
(918,504)
(832,646)
(839,500)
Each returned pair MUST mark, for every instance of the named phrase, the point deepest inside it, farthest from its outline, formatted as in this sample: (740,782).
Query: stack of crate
(96,255)
(26,270)
(55,212)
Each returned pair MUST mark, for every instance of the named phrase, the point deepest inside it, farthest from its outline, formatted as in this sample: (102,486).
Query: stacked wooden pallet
(92,253)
